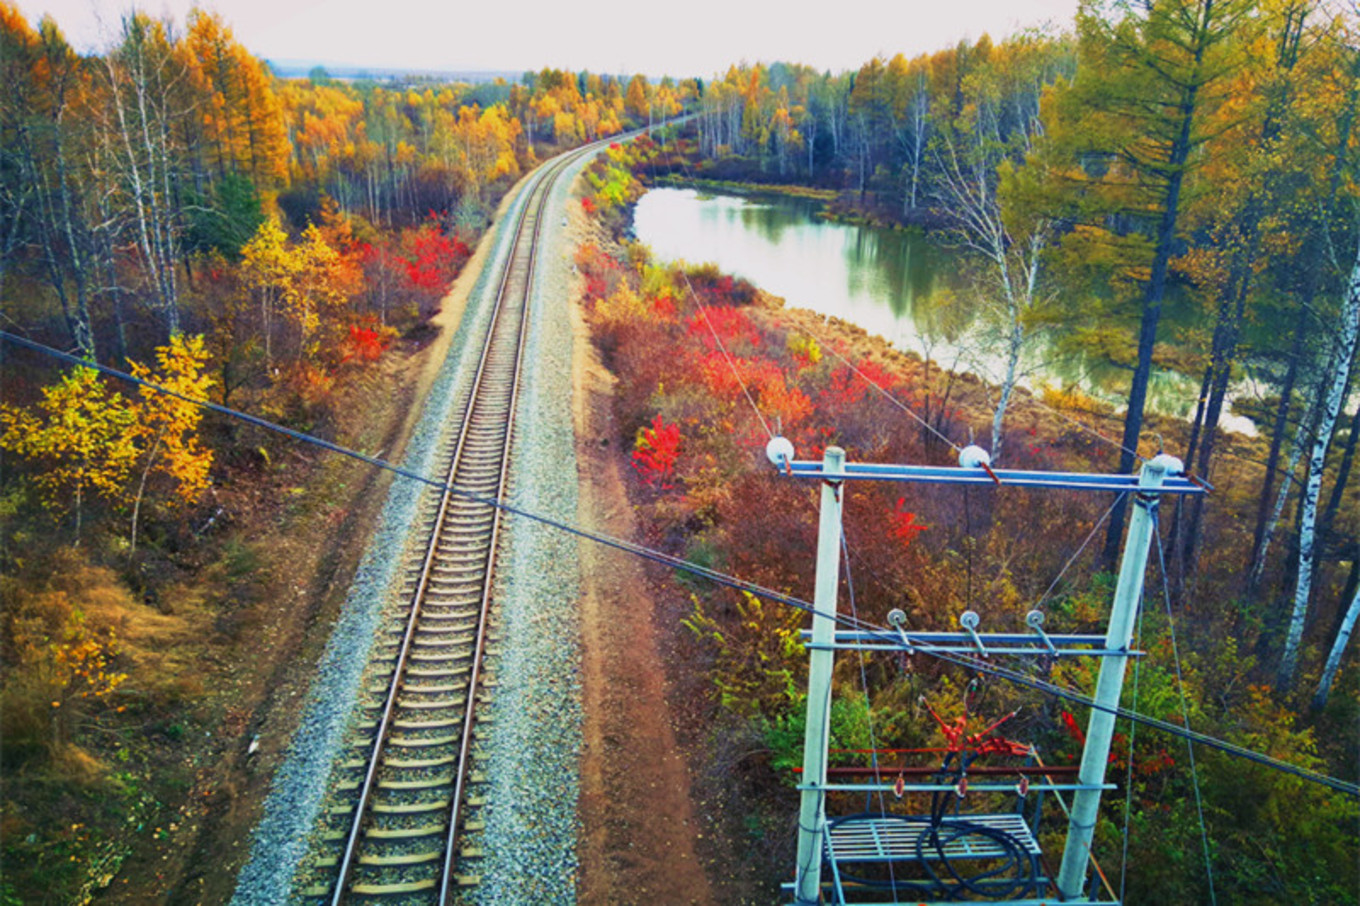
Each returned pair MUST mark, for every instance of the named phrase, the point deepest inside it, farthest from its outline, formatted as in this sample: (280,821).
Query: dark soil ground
(661,819)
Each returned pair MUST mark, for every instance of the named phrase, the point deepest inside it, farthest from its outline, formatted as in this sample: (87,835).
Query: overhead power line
(888,636)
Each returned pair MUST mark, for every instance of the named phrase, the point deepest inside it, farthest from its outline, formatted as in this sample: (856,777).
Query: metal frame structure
(816,844)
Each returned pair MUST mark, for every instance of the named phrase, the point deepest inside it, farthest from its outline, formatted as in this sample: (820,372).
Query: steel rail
(545,187)
(431,554)
(514,291)
(422,584)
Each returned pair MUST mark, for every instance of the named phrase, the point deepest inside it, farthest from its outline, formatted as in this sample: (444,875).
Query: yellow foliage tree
(77,667)
(757,651)
(489,143)
(171,423)
(638,97)
(267,270)
(83,436)
(323,281)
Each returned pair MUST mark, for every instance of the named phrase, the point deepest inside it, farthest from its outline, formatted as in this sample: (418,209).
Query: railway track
(398,804)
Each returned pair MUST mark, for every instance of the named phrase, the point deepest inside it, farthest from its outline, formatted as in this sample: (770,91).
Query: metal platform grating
(897,839)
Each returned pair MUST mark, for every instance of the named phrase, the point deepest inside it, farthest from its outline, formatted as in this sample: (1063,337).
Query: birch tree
(913,130)
(44,183)
(17,51)
(142,76)
(1270,523)
(975,160)
(1343,638)
(1339,370)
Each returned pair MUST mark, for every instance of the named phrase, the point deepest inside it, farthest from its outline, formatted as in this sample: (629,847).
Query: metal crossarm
(1021,478)
(950,787)
(1029,901)
(1015,643)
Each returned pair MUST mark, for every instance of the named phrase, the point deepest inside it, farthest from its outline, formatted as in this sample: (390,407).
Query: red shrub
(602,273)
(904,524)
(365,344)
(731,325)
(435,259)
(663,306)
(655,452)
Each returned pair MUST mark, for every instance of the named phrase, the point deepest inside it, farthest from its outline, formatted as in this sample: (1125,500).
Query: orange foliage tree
(241,118)
(78,668)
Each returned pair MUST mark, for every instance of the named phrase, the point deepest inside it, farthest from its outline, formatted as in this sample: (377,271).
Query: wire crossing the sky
(883,390)
(886,635)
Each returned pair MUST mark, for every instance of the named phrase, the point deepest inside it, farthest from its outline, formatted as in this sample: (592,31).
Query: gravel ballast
(280,839)
(531,755)
(530,750)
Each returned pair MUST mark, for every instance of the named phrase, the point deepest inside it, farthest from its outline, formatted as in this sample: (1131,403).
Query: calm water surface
(894,283)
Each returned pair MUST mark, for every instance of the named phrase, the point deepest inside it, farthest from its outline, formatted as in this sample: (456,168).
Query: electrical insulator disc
(779,451)
(973,457)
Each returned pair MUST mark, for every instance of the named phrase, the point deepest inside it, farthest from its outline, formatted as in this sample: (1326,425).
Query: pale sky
(679,38)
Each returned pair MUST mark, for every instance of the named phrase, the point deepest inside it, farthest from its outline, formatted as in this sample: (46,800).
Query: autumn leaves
(88,439)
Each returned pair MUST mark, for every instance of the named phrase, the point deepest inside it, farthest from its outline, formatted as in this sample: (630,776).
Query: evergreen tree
(1126,128)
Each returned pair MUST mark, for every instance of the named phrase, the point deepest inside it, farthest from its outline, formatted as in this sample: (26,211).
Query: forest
(1169,187)
(1170,190)
(1162,186)
(172,210)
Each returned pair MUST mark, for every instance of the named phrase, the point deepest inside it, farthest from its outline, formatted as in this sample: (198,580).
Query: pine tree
(1126,129)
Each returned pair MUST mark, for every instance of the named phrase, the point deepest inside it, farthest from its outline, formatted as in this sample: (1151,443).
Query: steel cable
(879,633)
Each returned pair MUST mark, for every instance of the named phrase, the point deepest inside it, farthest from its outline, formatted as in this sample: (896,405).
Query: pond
(898,284)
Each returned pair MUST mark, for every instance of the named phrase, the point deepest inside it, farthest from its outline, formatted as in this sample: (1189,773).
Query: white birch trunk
(1017,339)
(1343,637)
(133,77)
(1295,454)
(920,123)
(1343,356)
(967,187)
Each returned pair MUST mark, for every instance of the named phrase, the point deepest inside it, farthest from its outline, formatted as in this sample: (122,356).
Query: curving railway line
(396,814)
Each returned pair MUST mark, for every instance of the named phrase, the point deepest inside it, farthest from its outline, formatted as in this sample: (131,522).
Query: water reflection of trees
(925,286)
(907,271)
(771,218)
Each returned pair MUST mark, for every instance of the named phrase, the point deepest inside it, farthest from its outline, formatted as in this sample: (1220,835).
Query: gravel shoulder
(280,839)
(587,794)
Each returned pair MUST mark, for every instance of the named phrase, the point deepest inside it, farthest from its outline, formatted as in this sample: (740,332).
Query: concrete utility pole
(812,812)
(1162,475)
(1100,731)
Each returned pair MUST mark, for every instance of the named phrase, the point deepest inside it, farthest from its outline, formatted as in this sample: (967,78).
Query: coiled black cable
(1013,875)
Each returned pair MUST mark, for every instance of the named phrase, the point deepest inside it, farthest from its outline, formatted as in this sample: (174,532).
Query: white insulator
(974,457)
(779,451)
(1169,464)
